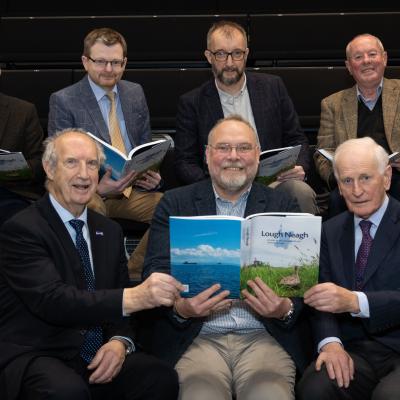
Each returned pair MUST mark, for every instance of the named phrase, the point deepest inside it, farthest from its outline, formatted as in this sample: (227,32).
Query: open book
(141,158)
(280,248)
(13,166)
(274,162)
(329,156)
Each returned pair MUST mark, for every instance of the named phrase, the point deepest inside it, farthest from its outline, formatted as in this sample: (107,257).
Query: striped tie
(115,133)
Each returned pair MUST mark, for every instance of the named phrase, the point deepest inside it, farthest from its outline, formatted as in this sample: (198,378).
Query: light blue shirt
(240,318)
(376,219)
(370,103)
(105,104)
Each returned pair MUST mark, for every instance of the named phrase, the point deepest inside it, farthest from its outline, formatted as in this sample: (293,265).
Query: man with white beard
(219,347)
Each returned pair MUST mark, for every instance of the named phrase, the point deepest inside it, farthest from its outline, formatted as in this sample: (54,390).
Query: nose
(83,170)
(108,67)
(233,153)
(357,189)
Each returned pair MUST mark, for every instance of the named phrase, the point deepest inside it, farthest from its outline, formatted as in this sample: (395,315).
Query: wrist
(177,312)
(287,316)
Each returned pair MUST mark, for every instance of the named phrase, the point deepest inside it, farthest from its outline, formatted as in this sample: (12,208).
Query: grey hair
(227,28)
(237,118)
(370,146)
(379,43)
(50,154)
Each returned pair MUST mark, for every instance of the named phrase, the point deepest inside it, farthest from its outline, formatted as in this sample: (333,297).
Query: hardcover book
(280,248)
(140,159)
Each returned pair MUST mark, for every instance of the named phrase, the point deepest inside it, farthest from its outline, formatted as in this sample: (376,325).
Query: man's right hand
(158,289)
(108,186)
(204,303)
(339,364)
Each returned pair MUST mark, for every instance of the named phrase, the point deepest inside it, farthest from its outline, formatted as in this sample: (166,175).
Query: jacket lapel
(390,100)
(213,102)
(346,250)
(385,238)
(257,101)
(89,103)
(350,112)
(204,199)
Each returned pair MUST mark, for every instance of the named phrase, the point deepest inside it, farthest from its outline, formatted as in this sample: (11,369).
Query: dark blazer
(44,306)
(198,110)
(165,336)
(381,284)
(76,107)
(20,130)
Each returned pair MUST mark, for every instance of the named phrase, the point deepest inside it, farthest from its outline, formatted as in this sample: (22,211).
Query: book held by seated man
(280,248)
(140,159)
(13,166)
(274,162)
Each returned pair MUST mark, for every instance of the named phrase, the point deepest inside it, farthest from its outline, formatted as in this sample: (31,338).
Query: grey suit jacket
(161,333)
(76,107)
(339,115)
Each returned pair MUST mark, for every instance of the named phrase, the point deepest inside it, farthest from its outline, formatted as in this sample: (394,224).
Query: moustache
(230,69)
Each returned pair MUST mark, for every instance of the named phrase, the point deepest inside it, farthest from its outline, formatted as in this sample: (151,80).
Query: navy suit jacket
(167,338)
(381,283)
(198,110)
(44,305)
(76,107)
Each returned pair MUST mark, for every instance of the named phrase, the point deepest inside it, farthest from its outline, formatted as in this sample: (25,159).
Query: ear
(387,177)
(384,56)
(49,171)
(85,61)
(208,55)
(348,66)
(207,153)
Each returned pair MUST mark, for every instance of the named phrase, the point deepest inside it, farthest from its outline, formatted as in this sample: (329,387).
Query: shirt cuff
(364,306)
(327,340)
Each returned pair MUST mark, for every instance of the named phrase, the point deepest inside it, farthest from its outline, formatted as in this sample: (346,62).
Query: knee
(315,385)
(385,392)
(165,384)
(69,389)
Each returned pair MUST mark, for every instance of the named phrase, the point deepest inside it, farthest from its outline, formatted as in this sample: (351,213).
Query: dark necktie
(363,252)
(94,335)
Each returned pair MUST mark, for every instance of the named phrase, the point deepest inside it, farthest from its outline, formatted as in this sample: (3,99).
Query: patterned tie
(94,335)
(363,251)
(115,133)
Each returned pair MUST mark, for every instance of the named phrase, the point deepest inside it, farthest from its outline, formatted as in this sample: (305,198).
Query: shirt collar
(225,96)
(98,91)
(243,196)
(378,92)
(377,216)
(64,214)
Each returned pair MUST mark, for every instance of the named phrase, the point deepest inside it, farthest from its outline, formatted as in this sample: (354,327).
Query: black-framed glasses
(99,62)
(221,55)
(226,148)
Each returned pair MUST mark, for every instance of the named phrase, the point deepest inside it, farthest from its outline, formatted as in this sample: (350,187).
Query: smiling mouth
(81,187)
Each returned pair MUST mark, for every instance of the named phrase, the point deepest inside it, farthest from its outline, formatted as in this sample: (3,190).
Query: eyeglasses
(226,148)
(103,63)
(221,55)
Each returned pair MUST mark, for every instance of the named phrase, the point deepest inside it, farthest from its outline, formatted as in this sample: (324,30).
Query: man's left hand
(108,362)
(149,180)
(265,301)
(329,297)
(295,173)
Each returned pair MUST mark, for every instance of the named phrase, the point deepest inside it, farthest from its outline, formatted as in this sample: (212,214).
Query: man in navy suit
(221,348)
(48,305)
(261,99)
(357,325)
(86,105)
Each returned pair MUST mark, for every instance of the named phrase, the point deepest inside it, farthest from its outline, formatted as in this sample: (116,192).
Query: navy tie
(363,252)
(94,335)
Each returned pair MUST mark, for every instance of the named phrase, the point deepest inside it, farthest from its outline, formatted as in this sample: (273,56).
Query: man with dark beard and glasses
(222,347)
(261,99)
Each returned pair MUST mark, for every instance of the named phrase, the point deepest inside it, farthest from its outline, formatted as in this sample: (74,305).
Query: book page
(14,167)
(284,253)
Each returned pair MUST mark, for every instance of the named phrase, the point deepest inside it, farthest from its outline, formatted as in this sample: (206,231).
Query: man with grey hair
(370,108)
(65,293)
(261,99)
(249,349)
(357,322)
